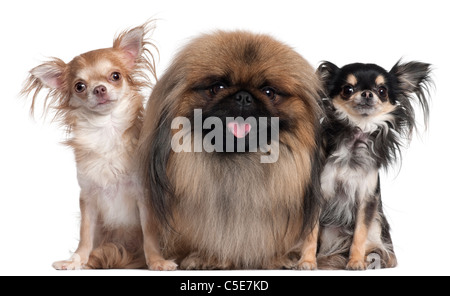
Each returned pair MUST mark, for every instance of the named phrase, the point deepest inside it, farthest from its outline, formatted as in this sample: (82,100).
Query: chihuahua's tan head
(95,81)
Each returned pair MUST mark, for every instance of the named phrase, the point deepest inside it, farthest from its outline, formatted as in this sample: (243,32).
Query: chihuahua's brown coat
(97,97)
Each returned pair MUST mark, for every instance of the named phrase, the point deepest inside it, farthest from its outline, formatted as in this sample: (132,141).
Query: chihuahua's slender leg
(85,246)
(364,219)
(308,260)
(152,252)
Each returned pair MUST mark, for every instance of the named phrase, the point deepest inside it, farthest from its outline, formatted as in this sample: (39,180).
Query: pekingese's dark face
(233,210)
(243,76)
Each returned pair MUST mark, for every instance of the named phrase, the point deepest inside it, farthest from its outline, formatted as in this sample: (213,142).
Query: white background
(39,215)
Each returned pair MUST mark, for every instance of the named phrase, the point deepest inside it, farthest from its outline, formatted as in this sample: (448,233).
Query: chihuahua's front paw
(354,264)
(66,265)
(73,263)
(163,265)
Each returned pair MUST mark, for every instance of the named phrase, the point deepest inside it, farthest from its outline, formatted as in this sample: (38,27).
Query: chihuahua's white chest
(102,134)
(350,176)
(351,171)
(106,173)
(116,203)
(105,155)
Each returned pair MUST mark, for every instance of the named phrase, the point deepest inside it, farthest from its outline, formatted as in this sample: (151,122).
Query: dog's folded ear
(326,73)
(326,70)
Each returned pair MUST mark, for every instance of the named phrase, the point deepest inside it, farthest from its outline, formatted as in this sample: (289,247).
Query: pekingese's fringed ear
(155,149)
(414,78)
(161,191)
(326,72)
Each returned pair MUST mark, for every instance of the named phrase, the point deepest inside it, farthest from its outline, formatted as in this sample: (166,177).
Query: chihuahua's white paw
(160,265)
(74,263)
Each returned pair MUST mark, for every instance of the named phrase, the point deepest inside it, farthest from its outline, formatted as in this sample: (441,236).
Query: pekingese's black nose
(244,98)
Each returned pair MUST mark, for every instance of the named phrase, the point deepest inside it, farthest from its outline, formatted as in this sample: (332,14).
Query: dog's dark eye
(269,92)
(382,92)
(115,76)
(347,91)
(216,88)
(80,87)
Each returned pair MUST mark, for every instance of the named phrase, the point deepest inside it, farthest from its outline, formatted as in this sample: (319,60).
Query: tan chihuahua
(97,97)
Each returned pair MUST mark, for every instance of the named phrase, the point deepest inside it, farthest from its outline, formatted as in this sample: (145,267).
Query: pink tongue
(239,130)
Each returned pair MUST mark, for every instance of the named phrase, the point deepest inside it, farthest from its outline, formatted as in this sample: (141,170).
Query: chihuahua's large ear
(131,43)
(50,74)
(327,72)
(414,78)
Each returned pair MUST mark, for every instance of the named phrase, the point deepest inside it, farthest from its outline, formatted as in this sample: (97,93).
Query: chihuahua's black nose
(367,94)
(100,90)
(367,98)
(244,98)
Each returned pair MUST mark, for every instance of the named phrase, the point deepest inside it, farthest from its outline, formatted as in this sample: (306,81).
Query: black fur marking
(228,108)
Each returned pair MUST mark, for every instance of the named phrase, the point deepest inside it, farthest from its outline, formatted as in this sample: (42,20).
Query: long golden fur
(229,210)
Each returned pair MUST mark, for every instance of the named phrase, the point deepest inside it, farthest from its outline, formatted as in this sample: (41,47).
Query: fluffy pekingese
(229,153)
